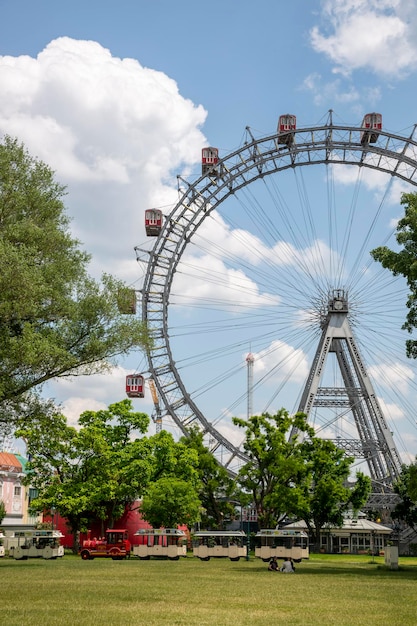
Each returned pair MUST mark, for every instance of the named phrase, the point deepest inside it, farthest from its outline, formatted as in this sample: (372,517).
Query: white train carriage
(219,544)
(169,543)
(32,544)
(282,544)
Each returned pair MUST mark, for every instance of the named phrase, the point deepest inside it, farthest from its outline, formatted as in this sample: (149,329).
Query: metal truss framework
(376,444)
(257,158)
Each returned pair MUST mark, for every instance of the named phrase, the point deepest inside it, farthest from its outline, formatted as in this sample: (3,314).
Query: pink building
(13,492)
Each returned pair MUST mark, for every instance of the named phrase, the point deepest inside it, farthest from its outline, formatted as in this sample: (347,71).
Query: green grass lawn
(328,590)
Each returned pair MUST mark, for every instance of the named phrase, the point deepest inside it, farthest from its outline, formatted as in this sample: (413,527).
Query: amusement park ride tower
(375,444)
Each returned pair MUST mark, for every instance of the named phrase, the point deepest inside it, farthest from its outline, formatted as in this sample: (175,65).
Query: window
(17,490)
(33,493)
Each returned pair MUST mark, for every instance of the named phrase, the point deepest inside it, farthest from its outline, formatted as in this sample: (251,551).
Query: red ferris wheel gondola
(153,222)
(371,124)
(209,161)
(135,386)
(287,124)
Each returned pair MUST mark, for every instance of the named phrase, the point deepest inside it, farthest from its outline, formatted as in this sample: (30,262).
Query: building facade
(14,494)
(357,535)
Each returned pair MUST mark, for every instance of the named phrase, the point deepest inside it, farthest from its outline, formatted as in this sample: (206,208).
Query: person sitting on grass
(273,565)
(288,567)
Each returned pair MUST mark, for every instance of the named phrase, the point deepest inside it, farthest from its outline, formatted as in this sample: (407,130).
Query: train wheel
(85,555)
(47,552)
(115,553)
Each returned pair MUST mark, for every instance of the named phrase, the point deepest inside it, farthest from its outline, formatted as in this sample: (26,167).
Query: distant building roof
(10,463)
(350,524)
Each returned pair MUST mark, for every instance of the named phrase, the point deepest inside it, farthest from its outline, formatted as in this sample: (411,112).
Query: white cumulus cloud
(115,132)
(395,376)
(379,35)
(279,361)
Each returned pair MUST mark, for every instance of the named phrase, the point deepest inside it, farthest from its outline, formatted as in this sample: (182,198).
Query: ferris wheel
(243,266)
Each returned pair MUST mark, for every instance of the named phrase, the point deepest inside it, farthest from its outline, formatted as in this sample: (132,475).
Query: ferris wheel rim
(259,157)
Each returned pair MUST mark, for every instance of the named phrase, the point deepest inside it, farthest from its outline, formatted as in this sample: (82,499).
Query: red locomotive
(114,545)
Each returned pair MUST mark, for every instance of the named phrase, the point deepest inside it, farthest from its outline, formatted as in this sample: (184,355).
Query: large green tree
(93,472)
(327,494)
(171,497)
(276,467)
(96,471)
(301,477)
(54,319)
(404,263)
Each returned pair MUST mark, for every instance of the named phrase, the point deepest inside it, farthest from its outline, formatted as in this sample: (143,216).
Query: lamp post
(373,545)
(247,533)
(244,511)
(248,546)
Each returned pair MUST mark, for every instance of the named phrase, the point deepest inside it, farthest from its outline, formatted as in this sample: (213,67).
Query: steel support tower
(250,359)
(375,444)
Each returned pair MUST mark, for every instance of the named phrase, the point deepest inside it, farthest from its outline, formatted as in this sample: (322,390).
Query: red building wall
(131,520)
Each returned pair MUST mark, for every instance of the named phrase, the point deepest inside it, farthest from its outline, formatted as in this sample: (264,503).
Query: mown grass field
(328,590)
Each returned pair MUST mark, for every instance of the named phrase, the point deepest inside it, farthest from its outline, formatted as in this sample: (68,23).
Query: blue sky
(119,98)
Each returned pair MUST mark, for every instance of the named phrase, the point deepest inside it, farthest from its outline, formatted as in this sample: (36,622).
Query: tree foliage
(94,472)
(171,458)
(276,467)
(404,263)
(171,502)
(305,479)
(412,481)
(171,496)
(406,488)
(54,319)
(327,495)
(90,473)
